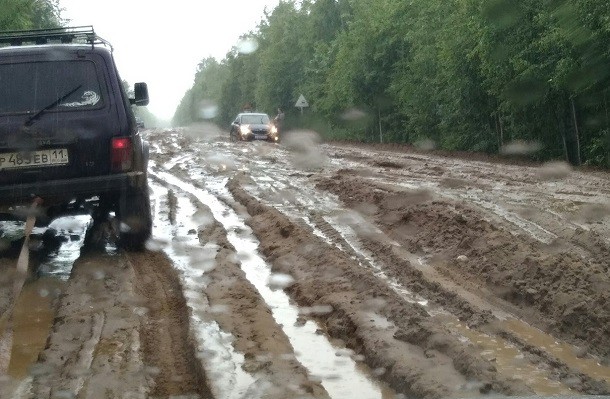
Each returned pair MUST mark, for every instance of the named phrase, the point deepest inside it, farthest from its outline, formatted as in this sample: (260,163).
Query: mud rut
(326,271)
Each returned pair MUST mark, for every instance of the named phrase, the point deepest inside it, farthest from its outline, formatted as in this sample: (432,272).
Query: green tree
(29,14)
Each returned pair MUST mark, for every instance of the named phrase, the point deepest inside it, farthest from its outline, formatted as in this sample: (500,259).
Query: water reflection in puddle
(222,363)
(34,311)
(32,322)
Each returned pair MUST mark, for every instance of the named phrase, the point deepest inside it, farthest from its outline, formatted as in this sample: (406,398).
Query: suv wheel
(134,218)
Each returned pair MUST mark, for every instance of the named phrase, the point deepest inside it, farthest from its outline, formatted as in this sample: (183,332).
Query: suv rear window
(29,87)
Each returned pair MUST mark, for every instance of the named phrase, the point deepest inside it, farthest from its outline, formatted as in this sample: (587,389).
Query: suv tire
(134,218)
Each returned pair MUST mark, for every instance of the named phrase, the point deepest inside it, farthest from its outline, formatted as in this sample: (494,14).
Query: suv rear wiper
(52,105)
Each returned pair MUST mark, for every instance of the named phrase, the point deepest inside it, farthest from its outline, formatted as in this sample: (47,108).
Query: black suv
(68,135)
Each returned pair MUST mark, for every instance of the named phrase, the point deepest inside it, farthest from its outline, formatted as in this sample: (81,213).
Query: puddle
(34,311)
(343,379)
(509,360)
(73,228)
(32,321)
(561,350)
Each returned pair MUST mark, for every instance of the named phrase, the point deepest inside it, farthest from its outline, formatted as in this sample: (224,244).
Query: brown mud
(570,293)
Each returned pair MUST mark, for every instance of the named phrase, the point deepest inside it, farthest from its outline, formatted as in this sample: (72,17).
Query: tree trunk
(560,117)
(575,139)
(499,130)
(380,131)
(607,129)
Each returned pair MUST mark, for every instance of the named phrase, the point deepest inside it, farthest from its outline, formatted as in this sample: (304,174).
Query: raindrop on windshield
(280,281)
(247,45)
(520,147)
(425,145)
(353,114)
(554,171)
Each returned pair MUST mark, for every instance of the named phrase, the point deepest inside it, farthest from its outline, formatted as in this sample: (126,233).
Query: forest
(495,76)
(29,14)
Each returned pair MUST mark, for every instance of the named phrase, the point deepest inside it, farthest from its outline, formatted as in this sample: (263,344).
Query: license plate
(15,160)
(260,136)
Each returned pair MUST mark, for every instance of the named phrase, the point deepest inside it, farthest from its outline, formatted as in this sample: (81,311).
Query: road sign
(301,102)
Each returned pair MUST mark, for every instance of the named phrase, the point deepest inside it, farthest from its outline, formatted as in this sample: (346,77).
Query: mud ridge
(425,361)
(570,295)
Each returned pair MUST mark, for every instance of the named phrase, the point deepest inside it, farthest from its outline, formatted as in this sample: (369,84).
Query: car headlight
(245,129)
(273,129)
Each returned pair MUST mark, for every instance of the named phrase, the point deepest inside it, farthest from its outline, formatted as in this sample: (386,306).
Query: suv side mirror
(141,94)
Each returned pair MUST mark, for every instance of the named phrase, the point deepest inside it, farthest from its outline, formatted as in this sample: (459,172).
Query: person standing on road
(279,120)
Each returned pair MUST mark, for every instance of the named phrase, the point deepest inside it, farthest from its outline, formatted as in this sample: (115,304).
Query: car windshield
(28,87)
(323,199)
(255,119)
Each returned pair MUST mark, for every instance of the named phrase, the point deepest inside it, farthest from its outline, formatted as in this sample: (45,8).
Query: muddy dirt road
(320,271)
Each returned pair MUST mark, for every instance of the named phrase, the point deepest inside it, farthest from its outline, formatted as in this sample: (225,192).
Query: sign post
(301,103)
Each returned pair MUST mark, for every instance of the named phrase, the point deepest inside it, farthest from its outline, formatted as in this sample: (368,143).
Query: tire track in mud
(440,237)
(381,250)
(267,350)
(345,381)
(398,339)
(167,345)
(93,348)
(490,252)
(234,303)
(533,354)
(118,331)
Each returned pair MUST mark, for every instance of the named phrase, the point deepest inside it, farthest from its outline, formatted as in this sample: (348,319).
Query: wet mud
(400,340)
(569,292)
(321,271)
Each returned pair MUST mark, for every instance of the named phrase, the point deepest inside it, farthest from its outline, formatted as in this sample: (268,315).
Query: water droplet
(520,147)
(208,110)
(425,144)
(345,352)
(98,275)
(280,281)
(140,311)
(216,309)
(39,369)
(353,114)
(316,310)
(554,171)
(247,45)
(156,245)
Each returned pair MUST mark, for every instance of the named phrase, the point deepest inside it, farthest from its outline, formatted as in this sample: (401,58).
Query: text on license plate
(55,156)
(260,136)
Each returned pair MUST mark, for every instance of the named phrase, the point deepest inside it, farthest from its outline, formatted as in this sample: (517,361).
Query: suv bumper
(55,191)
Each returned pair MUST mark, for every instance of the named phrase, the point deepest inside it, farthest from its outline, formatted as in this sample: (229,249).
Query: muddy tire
(233,136)
(135,220)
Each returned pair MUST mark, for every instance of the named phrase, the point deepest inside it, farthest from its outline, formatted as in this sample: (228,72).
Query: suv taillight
(121,154)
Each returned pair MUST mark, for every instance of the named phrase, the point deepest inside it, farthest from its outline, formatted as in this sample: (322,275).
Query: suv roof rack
(64,35)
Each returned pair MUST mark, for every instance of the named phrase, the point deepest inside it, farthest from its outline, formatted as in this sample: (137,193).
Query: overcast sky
(161,43)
